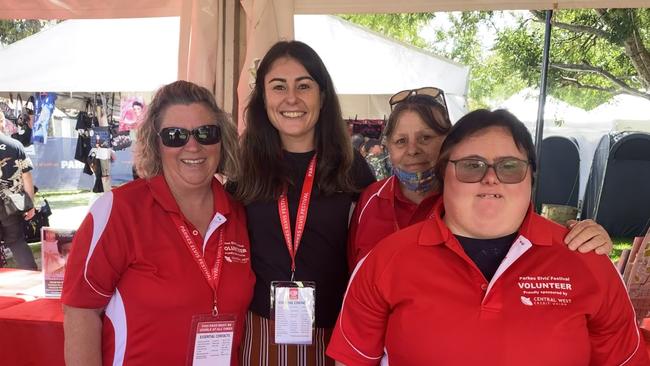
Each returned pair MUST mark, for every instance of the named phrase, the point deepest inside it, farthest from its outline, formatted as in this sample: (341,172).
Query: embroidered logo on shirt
(526,301)
(235,253)
(545,290)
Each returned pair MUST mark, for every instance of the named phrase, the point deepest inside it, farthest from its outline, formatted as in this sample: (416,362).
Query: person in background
(415,130)
(357,141)
(167,255)
(377,159)
(485,280)
(15,178)
(300,177)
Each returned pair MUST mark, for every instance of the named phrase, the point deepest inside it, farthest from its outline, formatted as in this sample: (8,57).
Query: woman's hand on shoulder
(585,236)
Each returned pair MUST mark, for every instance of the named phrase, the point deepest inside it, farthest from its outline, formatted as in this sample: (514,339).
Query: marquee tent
(628,113)
(96,55)
(367,68)
(562,119)
(214,46)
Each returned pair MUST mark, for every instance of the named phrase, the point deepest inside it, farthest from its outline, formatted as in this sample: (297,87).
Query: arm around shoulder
(83,336)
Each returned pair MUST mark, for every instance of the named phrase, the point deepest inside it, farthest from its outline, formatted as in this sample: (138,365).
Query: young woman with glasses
(485,280)
(415,130)
(161,262)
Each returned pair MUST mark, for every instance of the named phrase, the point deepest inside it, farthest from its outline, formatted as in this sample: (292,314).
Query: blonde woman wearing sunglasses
(415,130)
(161,265)
(485,280)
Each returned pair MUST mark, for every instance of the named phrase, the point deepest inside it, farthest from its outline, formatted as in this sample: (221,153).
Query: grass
(57,200)
(61,200)
(620,243)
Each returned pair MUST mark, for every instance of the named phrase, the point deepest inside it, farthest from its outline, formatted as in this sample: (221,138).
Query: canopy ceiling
(415,6)
(70,9)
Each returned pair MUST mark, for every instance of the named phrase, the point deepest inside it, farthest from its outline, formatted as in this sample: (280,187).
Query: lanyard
(301,215)
(212,277)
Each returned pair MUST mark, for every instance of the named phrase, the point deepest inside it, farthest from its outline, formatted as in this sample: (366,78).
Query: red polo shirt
(129,258)
(381,210)
(418,298)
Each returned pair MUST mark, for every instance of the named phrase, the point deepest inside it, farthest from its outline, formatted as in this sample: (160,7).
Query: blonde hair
(147,158)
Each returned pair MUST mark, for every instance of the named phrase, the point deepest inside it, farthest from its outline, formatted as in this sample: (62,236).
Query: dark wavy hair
(263,173)
(477,121)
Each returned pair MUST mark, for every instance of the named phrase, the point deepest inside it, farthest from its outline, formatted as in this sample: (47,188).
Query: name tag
(211,341)
(293,305)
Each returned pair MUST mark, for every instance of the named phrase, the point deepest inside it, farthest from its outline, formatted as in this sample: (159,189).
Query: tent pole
(539,130)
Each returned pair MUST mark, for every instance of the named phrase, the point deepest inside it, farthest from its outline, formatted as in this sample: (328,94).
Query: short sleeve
(98,258)
(358,337)
(23,162)
(613,332)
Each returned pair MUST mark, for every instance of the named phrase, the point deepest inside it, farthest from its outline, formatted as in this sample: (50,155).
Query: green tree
(15,30)
(404,27)
(595,53)
(459,41)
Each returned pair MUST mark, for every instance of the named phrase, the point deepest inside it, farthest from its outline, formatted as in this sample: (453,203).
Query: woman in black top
(294,124)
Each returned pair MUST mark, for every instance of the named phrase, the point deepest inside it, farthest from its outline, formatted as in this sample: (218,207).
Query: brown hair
(147,149)
(264,173)
(424,106)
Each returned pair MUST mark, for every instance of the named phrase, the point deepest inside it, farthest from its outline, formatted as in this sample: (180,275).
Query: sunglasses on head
(508,170)
(436,94)
(178,136)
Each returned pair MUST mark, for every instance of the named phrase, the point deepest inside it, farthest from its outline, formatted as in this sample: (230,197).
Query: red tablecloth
(31,333)
(7,301)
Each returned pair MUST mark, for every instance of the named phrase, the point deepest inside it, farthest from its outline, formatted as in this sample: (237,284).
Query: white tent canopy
(98,55)
(628,113)
(562,119)
(367,68)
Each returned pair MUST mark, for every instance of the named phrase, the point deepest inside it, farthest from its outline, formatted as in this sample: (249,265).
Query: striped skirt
(257,348)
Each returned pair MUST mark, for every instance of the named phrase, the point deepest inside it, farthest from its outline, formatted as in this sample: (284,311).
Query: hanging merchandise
(21,119)
(44,110)
(132,111)
(86,120)
(370,128)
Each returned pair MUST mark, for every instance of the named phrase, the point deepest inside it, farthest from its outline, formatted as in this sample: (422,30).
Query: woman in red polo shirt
(160,272)
(485,280)
(413,135)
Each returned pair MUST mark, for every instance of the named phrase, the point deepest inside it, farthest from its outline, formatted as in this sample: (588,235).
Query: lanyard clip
(215,312)
(293,273)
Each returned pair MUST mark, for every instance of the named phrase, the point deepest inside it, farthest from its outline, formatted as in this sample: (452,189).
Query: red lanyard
(212,277)
(301,215)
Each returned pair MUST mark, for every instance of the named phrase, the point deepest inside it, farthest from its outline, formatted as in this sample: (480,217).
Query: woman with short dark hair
(485,280)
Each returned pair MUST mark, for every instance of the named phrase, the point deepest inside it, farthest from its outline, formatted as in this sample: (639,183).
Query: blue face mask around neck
(416,182)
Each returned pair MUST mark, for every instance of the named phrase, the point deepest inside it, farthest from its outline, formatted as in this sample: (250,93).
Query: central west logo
(545,290)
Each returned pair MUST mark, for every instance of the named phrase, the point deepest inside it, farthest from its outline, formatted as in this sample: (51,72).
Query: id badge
(211,339)
(293,305)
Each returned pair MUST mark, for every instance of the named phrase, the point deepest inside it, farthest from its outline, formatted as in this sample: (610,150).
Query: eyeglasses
(508,170)
(177,136)
(436,94)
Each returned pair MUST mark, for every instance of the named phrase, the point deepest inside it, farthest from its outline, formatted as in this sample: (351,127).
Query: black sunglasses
(508,171)
(436,94)
(178,136)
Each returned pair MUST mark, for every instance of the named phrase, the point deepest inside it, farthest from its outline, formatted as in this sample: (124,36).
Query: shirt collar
(534,228)
(163,195)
